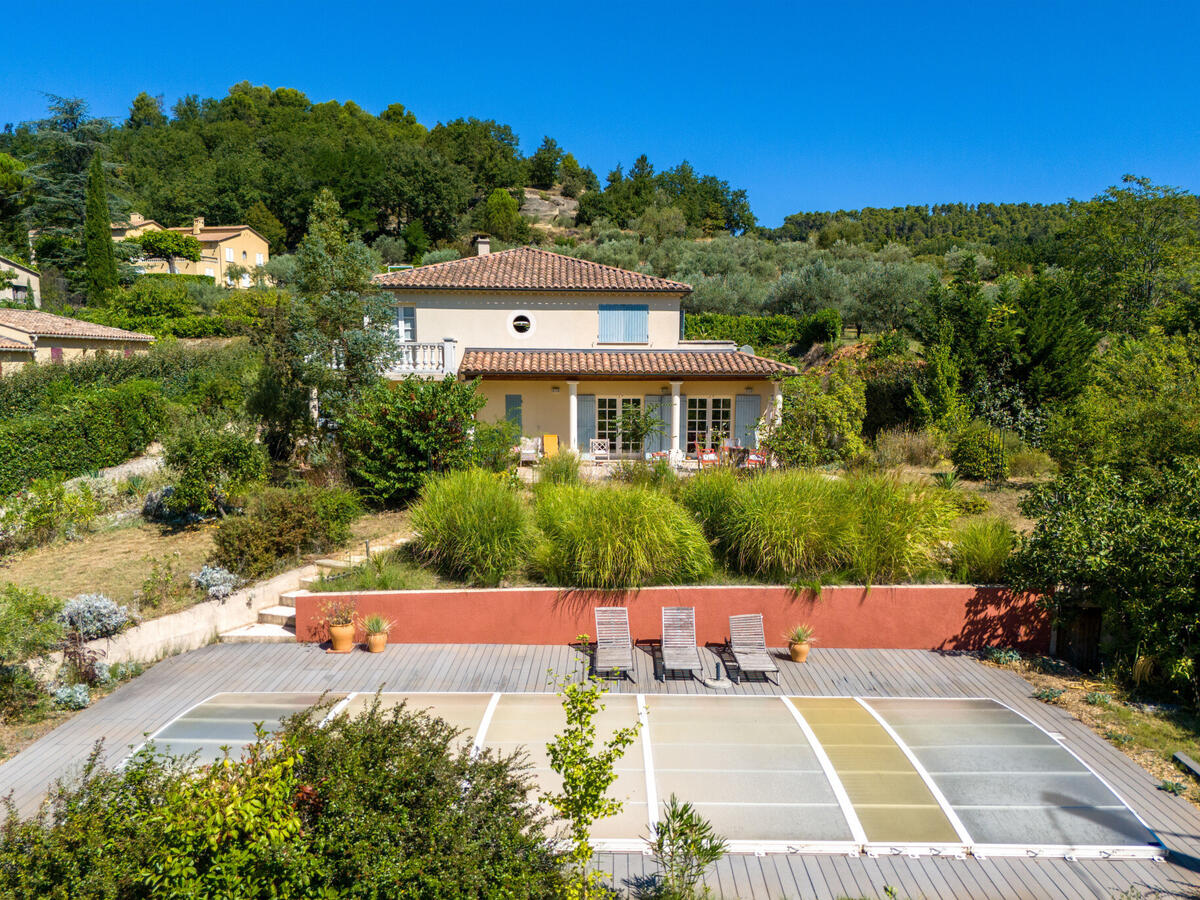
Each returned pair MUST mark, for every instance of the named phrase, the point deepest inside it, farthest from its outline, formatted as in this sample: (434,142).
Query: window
(709,422)
(512,409)
(623,323)
(228,254)
(245,256)
(406,323)
(208,271)
(245,281)
(521,324)
(608,412)
(258,259)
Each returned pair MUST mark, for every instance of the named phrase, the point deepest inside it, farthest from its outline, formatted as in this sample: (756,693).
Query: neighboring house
(221,246)
(26,283)
(33,336)
(563,346)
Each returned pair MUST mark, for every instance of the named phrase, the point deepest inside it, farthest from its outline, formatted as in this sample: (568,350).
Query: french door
(709,422)
(608,412)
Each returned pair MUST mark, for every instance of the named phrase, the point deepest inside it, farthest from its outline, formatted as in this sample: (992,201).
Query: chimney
(136,219)
(197,225)
(483,245)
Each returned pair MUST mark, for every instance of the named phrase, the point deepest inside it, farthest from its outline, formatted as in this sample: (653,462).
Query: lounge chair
(614,647)
(748,645)
(679,649)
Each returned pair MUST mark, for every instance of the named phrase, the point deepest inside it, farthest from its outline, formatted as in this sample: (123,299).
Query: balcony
(430,359)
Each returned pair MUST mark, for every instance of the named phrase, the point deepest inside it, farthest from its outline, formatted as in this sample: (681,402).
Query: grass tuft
(981,550)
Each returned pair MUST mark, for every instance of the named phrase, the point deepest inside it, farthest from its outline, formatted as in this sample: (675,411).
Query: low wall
(926,617)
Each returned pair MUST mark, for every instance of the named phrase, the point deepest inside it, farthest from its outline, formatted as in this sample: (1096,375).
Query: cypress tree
(99,260)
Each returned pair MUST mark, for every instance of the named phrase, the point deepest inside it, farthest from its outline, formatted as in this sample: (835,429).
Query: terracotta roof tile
(45,324)
(10,344)
(527,269)
(619,363)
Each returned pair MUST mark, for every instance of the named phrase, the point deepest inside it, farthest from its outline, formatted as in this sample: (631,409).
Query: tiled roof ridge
(625,362)
(40,323)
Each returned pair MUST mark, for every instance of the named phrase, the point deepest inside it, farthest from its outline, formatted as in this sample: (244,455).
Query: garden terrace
(180,683)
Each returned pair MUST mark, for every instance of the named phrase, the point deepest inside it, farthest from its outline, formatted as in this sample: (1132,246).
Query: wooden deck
(172,686)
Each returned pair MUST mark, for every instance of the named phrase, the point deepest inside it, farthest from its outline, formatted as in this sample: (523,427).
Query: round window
(521,324)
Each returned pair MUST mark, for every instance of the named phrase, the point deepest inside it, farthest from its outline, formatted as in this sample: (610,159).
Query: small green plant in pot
(377,628)
(800,640)
(338,617)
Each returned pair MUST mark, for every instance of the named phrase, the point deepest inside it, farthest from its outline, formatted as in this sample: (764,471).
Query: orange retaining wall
(911,616)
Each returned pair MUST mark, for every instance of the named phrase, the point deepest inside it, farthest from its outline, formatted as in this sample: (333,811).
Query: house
(19,283)
(33,336)
(221,246)
(563,346)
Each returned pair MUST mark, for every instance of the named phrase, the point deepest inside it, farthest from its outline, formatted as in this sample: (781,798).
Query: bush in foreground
(284,523)
(473,527)
(382,805)
(981,550)
(609,538)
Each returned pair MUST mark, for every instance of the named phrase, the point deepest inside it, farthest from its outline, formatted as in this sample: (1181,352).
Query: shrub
(94,616)
(823,326)
(493,445)
(72,696)
(22,696)
(29,623)
(978,454)
(213,464)
(46,510)
(610,538)
(1029,462)
(821,421)
(981,550)
(561,468)
(216,582)
(284,523)
(96,429)
(643,474)
(397,434)
(906,447)
(968,503)
(472,527)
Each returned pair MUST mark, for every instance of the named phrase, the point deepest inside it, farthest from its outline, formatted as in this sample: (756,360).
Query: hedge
(177,368)
(764,331)
(192,326)
(95,429)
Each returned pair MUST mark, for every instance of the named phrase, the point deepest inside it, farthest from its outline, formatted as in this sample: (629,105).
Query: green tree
(167,246)
(502,217)
(99,258)
(145,112)
(543,165)
(265,223)
(814,287)
(1133,249)
(821,420)
(214,464)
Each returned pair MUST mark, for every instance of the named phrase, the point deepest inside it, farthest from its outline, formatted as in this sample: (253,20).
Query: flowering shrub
(72,696)
(216,581)
(94,616)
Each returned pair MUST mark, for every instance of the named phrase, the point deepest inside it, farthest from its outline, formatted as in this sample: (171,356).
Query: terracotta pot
(376,642)
(799,652)
(342,637)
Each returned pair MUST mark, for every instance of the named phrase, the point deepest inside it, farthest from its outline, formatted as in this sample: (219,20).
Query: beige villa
(21,283)
(563,346)
(34,336)
(221,246)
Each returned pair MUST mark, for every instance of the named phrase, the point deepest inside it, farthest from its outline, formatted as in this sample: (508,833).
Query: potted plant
(800,640)
(339,619)
(377,628)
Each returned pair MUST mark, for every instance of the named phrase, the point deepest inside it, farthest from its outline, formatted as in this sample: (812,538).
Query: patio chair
(748,645)
(549,444)
(614,647)
(708,458)
(598,448)
(755,459)
(679,650)
(529,450)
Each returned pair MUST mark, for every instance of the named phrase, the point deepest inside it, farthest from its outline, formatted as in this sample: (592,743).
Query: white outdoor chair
(598,448)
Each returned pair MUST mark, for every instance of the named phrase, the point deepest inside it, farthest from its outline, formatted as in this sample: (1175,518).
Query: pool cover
(777,774)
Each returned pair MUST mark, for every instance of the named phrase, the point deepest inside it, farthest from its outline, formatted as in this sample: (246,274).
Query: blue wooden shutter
(661,439)
(624,323)
(585,419)
(512,409)
(746,410)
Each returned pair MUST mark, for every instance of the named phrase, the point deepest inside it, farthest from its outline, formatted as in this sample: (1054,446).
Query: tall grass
(614,537)
(981,550)
(473,527)
(390,571)
(561,468)
(803,526)
(906,447)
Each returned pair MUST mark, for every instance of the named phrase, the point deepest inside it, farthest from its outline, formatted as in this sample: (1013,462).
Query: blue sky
(806,105)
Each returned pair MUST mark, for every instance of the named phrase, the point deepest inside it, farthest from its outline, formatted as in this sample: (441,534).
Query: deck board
(174,685)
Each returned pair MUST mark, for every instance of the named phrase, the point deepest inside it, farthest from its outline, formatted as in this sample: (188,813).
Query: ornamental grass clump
(473,527)
(707,496)
(981,551)
(609,538)
(899,529)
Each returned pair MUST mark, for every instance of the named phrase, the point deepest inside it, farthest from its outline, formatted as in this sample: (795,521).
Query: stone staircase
(277,624)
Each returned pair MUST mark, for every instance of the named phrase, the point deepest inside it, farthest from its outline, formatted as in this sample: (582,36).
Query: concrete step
(259,633)
(278,615)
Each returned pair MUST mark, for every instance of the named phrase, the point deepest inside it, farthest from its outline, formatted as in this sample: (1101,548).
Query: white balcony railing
(435,359)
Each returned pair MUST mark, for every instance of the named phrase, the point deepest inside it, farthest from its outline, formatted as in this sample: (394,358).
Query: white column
(676,448)
(778,402)
(573,415)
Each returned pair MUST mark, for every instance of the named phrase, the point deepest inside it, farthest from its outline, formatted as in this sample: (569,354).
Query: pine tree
(99,260)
